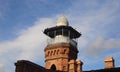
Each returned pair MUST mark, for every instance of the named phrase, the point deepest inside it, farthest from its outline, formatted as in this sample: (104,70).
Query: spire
(62,21)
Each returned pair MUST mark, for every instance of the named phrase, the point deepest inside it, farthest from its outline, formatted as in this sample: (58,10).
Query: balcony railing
(61,40)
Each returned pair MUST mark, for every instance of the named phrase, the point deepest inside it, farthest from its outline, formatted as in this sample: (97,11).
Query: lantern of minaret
(61,45)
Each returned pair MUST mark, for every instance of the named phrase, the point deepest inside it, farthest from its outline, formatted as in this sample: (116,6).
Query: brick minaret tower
(61,48)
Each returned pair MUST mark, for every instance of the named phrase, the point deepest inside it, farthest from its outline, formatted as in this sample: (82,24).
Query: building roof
(27,66)
(51,31)
(117,69)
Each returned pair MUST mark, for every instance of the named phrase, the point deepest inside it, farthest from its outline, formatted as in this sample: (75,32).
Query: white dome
(62,21)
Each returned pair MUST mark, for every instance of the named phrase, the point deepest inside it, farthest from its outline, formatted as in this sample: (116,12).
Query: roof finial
(62,21)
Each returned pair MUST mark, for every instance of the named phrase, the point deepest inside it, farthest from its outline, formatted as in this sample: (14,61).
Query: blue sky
(22,23)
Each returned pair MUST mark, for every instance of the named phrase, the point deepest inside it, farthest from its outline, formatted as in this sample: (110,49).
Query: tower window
(64,51)
(53,67)
(48,53)
(54,52)
(51,53)
(57,51)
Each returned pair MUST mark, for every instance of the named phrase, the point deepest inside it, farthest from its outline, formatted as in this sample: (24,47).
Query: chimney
(109,62)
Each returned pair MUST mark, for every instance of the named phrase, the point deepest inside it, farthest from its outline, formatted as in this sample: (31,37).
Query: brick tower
(61,50)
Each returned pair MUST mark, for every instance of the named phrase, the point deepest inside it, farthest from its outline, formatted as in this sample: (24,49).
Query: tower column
(79,65)
(72,66)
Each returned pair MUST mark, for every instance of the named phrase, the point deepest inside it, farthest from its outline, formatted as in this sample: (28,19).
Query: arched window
(64,51)
(53,67)
(48,53)
(57,52)
(51,53)
(54,52)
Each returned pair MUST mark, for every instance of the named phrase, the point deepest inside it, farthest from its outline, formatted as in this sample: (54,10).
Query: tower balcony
(62,40)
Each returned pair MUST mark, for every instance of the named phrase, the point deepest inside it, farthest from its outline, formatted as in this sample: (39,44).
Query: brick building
(61,52)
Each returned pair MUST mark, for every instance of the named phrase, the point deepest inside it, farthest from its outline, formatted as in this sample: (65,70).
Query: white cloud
(112,43)
(32,38)
(1,68)
(28,45)
(91,23)
(99,45)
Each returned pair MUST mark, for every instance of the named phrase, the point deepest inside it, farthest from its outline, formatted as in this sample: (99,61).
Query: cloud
(1,68)
(99,45)
(29,45)
(96,50)
(33,38)
(94,20)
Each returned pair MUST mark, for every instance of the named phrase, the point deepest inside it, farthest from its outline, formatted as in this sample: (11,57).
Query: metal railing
(61,40)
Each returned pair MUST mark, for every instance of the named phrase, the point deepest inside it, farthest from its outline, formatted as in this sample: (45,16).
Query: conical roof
(62,21)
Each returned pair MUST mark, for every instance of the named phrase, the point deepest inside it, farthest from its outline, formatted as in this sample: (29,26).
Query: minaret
(61,45)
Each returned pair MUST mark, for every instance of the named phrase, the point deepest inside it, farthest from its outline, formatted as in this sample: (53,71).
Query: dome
(62,21)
